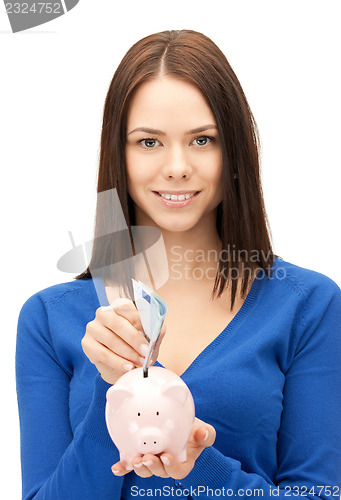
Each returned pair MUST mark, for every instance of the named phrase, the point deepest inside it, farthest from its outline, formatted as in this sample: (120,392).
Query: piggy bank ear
(116,395)
(177,391)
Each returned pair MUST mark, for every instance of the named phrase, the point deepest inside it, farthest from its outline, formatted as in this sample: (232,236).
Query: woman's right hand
(114,341)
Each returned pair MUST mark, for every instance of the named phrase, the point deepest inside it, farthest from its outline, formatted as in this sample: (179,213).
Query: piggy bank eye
(157,413)
(139,414)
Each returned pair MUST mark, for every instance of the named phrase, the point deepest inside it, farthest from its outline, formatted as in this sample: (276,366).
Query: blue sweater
(270,384)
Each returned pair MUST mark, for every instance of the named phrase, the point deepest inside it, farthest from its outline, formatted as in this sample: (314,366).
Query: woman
(257,340)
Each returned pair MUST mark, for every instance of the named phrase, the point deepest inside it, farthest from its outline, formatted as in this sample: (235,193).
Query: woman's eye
(203,140)
(149,143)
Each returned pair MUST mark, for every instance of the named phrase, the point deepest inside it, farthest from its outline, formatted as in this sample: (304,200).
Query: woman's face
(173,156)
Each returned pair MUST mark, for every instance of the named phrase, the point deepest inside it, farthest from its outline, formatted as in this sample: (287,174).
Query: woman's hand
(114,341)
(202,436)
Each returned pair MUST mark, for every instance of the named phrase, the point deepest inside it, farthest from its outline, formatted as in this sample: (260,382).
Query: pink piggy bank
(151,414)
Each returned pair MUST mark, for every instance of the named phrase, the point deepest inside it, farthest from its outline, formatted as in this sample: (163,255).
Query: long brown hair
(241,217)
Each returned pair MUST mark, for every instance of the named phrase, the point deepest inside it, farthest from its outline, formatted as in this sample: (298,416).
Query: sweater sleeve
(55,463)
(309,438)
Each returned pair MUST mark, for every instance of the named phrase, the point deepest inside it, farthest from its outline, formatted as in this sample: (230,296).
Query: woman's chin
(176,226)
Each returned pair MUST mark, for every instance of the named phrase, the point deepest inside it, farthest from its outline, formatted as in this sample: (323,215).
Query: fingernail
(137,466)
(129,467)
(206,435)
(144,349)
(149,463)
(165,460)
(127,367)
(114,471)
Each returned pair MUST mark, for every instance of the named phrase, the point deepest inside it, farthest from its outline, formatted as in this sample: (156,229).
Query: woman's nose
(177,165)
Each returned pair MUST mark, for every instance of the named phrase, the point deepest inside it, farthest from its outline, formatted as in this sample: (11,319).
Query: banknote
(152,310)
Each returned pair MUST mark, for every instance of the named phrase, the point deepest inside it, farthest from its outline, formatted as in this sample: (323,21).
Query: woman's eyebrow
(160,132)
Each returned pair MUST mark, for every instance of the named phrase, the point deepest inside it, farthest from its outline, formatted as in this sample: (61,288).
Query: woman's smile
(178,199)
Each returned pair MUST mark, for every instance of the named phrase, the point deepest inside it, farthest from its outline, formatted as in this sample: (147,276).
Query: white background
(53,84)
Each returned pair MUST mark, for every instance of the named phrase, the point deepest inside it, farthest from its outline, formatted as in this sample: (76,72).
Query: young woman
(256,339)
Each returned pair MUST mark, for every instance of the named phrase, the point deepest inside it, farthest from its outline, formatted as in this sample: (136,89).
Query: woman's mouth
(181,199)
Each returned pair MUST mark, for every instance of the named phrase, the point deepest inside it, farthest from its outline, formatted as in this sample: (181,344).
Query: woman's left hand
(202,436)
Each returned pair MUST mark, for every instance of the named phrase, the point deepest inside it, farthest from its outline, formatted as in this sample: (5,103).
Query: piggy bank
(153,414)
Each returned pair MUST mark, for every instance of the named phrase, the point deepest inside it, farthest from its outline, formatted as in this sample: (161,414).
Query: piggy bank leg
(126,458)
(180,455)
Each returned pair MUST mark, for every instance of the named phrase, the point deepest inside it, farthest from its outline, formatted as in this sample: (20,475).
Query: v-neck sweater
(269,383)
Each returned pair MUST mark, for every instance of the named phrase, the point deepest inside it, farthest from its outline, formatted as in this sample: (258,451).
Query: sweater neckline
(231,326)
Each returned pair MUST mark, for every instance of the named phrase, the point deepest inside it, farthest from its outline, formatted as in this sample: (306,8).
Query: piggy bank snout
(151,440)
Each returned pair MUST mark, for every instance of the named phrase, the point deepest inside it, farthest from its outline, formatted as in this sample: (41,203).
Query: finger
(121,327)
(123,310)
(108,363)
(141,470)
(127,309)
(120,347)
(202,433)
(154,465)
(174,468)
(205,435)
(119,470)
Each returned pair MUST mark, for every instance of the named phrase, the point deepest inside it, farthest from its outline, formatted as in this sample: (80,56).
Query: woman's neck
(188,258)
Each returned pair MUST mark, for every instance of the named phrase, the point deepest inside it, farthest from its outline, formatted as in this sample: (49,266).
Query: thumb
(204,435)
